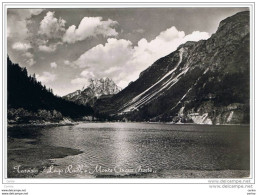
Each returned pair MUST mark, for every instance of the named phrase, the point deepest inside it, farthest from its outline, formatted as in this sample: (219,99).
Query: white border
(124,5)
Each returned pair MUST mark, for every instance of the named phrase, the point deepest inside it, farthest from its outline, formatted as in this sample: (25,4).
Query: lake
(134,150)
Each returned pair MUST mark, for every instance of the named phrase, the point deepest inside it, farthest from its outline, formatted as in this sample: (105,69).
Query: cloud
(50,48)
(53,65)
(35,11)
(47,77)
(18,33)
(83,79)
(102,56)
(52,27)
(21,46)
(66,62)
(30,62)
(112,69)
(70,64)
(17,20)
(87,74)
(80,82)
(122,62)
(140,30)
(47,49)
(196,36)
(28,55)
(90,27)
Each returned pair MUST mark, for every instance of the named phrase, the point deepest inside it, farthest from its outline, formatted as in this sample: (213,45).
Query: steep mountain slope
(27,95)
(96,88)
(200,82)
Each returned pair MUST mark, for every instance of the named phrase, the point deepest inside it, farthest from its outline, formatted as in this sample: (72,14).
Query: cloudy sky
(66,47)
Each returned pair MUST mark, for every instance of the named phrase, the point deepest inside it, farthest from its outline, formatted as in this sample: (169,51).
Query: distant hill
(26,93)
(206,82)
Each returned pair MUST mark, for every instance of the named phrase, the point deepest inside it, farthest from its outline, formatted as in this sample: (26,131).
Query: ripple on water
(162,147)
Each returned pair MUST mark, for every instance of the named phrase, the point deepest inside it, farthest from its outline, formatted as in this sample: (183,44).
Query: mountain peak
(102,82)
(240,17)
(94,89)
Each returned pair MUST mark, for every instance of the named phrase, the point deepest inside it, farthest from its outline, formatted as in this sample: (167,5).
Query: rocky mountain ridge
(95,89)
(204,82)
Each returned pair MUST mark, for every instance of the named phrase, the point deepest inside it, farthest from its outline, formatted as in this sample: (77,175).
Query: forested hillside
(28,99)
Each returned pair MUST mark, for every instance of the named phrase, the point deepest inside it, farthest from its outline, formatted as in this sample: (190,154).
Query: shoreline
(50,124)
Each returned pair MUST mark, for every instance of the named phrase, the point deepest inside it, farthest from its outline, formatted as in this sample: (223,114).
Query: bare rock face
(97,88)
(202,82)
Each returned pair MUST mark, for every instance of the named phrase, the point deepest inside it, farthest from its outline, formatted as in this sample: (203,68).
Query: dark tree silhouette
(26,92)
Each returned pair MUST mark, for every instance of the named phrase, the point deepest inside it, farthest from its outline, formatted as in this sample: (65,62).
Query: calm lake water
(136,149)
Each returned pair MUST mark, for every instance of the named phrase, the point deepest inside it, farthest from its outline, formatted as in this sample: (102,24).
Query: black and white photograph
(116,93)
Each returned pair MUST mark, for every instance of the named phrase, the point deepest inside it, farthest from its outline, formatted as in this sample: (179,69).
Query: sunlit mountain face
(201,82)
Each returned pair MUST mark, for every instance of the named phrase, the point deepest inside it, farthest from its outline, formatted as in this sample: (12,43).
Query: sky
(66,47)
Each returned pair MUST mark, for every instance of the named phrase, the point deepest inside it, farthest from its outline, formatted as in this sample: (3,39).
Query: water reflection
(121,145)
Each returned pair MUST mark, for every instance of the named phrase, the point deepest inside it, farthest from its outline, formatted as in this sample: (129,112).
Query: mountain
(203,82)
(97,88)
(28,99)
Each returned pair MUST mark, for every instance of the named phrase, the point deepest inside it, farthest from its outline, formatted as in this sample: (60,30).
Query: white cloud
(83,79)
(112,69)
(123,63)
(87,74)
(21,46)
(28,55)
(66,62)
(89,27)
(35,11)
(51,48)
(47,77)
(80,82)
(18,34)
(140,30)
(52,27)
(53,65)
(45,48)
(103,57)
(196,36)
(17,22)
(30,62)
